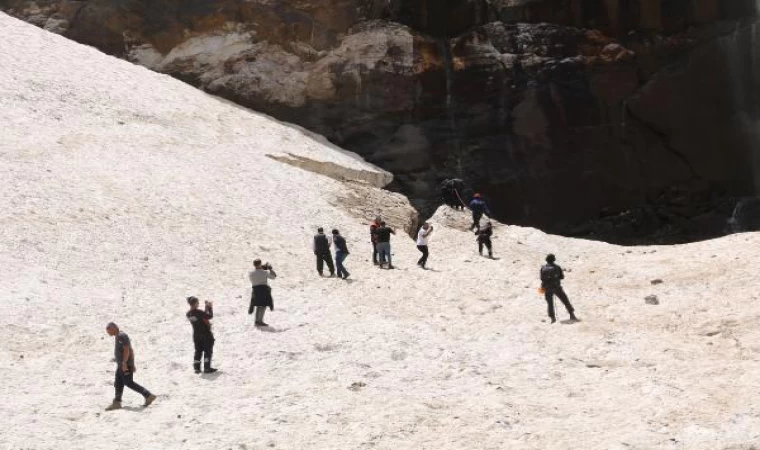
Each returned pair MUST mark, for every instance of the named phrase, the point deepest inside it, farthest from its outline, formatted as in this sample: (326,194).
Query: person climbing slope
(478,207)
(484,238)
(203,338)
(551,282)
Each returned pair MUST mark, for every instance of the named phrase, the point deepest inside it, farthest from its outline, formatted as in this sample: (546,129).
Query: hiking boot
(114,406)
(262,324)
(210,370)
(553,320)
(149,399)
(197,371)
(390,267)
(573,318)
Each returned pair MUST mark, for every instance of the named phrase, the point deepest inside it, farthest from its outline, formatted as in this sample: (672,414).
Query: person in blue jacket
(478,207)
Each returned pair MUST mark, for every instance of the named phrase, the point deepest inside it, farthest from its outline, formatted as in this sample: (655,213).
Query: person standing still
(125,368)
(551,282)
(423,237)
(203,338)
(373,239)
(341,252)
(384,245)
(321,249)
(261,293)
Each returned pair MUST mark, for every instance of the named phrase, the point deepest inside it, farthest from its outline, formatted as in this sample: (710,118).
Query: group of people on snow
(551,276)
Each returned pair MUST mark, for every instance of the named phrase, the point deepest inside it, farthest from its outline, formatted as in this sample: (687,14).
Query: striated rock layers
(619,119)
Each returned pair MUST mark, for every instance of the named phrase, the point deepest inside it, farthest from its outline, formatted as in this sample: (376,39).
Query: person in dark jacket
(373,238)
(261,293)
(321,249)
(484,238)
(384,245)
(203,338)
(341,252)
(551,282)
(478,207)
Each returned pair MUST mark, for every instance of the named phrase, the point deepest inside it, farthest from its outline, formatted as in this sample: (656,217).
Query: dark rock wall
(627,120)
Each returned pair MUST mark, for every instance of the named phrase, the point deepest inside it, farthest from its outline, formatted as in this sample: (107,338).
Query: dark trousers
(204,347)
(423,260)
(374,253)
(339,258)
(476,216)
(125,379)
(323,258)
(559,292)
(485,243)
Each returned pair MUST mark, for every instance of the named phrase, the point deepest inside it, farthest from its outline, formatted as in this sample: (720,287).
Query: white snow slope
(124,191)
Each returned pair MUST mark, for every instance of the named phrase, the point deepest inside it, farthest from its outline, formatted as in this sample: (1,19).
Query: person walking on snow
(261,293)
(478,207)
(551,282)
(321,249)
(484,238)
(341,252)
(124,356)
(423,237)
(384,245)
(373,238)
(203,338)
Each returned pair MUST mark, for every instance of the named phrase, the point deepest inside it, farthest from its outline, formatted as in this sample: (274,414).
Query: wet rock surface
(630,121)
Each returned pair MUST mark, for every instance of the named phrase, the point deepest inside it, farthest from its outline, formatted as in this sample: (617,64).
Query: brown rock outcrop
(641,111)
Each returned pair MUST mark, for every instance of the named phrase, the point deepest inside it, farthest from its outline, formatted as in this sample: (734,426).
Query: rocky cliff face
(621,119)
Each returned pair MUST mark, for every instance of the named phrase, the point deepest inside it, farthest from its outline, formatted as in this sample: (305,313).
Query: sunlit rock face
(624,120)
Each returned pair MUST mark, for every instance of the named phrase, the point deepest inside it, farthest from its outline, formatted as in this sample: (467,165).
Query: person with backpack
(384,245)
(321,247)
(341,252)
(423,237)
(373,238)
(551,282)
(484,238)
(478,207)
(203,338)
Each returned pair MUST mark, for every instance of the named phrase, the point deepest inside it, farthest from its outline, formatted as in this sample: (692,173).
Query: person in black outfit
(551,281)
(322,251)
(124,356)
(202,335)
(341,253)
(484,238)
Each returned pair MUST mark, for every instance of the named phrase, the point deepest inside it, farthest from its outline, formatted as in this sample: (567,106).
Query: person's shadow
(569,321)
(270,329)
(211,376)
(133,408)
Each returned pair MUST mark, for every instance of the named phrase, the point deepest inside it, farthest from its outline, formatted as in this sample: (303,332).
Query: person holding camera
(261,293)
(202,335)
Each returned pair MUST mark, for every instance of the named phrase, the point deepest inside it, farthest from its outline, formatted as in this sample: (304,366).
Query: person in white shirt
(261,293)
(423,236)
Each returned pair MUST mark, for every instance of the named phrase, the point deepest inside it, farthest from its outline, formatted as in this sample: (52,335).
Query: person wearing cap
(551,282)
(321,249)
(384,245)
(478,207)
(261,293)
(423,238)
(341,252)
(125,368)
(203,338)
(373,238)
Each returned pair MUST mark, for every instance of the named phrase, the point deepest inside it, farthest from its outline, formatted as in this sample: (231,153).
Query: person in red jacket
(203,338)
